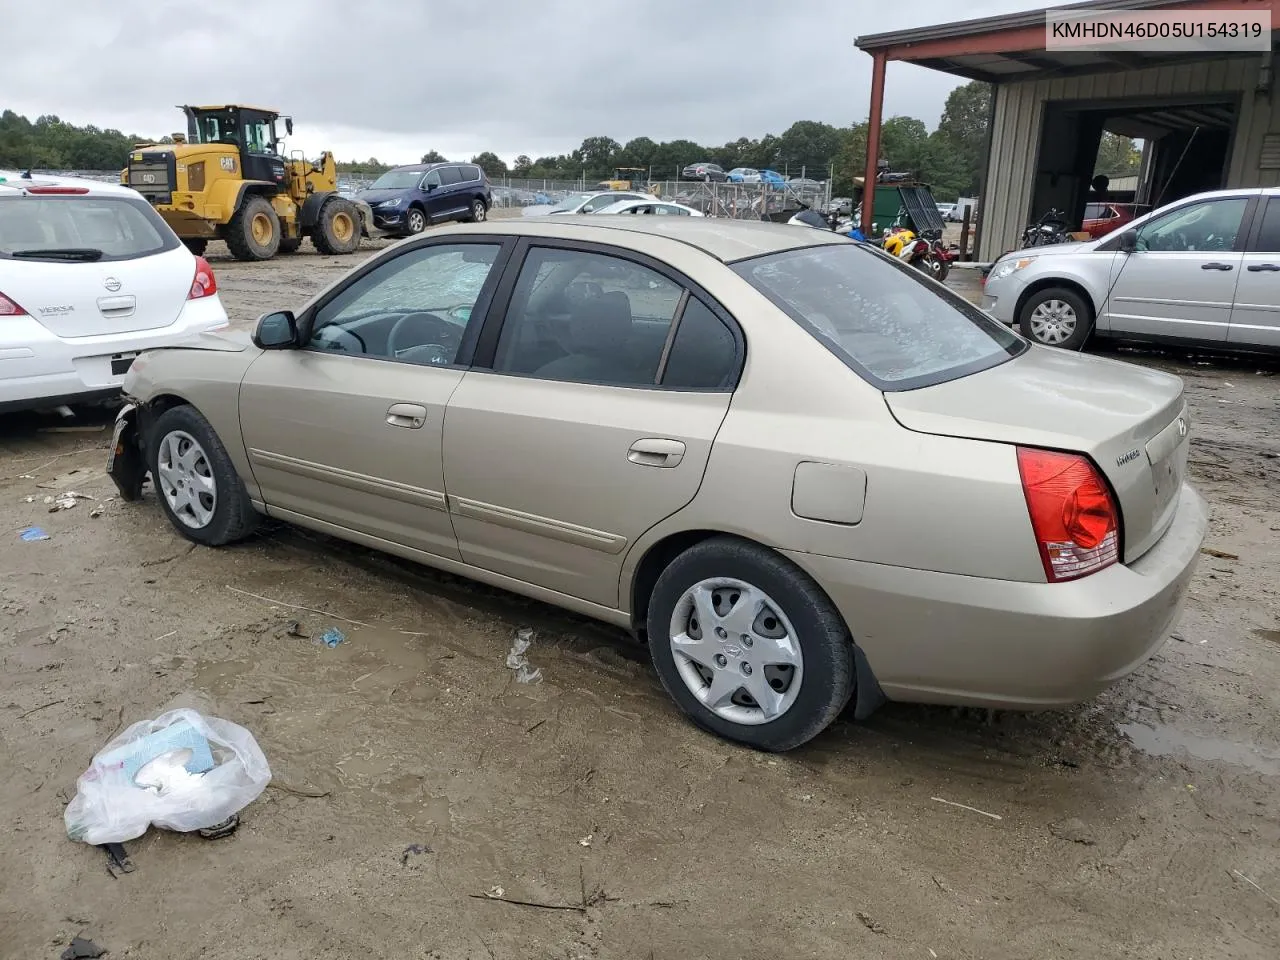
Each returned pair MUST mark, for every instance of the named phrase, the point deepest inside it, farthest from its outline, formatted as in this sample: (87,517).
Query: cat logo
(228,164)
(148,178)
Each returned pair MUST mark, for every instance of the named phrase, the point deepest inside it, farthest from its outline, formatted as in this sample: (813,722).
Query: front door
(347,430)
(1255,318)
(1181,280)
(608,384)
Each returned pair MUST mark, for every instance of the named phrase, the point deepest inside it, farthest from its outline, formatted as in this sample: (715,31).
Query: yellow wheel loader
(227,179)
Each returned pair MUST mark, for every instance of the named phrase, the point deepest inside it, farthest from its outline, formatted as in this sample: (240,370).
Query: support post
(873,142)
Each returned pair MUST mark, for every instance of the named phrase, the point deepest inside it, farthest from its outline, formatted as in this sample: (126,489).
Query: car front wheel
(1057,317)
(748,645)
(195,480)
(415,221)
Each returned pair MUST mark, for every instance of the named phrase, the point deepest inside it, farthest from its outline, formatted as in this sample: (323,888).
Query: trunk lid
(1131,421)
(92,299)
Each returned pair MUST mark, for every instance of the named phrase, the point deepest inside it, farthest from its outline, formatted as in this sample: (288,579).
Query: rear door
(1255,317)
(89,265)
(452,193)
(1181,281)
(607,381)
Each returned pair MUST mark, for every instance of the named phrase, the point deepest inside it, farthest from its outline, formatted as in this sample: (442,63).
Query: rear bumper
(39,368)
(941,638)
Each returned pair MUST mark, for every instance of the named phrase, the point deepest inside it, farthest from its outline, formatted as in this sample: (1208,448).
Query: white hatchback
(90,276)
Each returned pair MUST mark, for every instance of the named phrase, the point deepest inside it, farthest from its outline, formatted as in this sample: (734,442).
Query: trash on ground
(95,513)
(585,841)
(219,830)
(332,637)
(65,501)
(962,806)
(495,893)
(517,661)
(118,862)
(413,850)
(82,949)
(181,771)
(32,534)
(295,630)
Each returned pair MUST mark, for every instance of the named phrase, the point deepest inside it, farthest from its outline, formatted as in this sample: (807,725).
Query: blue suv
(405,200)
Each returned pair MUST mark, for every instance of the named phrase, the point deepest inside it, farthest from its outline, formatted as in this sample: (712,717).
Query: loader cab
(251,130)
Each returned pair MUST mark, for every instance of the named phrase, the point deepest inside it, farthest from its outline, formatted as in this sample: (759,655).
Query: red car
(1101,218)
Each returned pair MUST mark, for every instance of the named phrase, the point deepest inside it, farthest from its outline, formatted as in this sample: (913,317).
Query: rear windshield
(884,319)
(80,228)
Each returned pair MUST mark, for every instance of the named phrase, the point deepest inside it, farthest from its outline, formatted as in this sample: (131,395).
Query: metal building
(1207,122)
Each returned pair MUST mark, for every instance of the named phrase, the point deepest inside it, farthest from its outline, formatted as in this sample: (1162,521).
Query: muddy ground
(1144,824)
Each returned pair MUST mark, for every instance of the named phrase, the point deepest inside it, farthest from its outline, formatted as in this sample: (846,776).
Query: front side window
(587,317)
(1203,226)
(883,319)
(432,179)
(411,309)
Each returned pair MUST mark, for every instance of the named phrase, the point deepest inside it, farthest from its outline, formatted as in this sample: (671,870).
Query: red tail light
(58,190)
(1075,519)
(10,309)
(204,285)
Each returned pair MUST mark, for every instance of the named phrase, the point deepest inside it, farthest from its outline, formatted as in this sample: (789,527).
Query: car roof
(424,167)
(12,182)
(719,237)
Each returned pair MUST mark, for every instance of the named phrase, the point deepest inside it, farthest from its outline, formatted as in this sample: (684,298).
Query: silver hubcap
(1053,321)
(479,211)
(186,479)
(417,223)
(736,651)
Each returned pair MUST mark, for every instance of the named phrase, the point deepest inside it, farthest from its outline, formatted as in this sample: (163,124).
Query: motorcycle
(1050,228)
(909,248)
(940,259)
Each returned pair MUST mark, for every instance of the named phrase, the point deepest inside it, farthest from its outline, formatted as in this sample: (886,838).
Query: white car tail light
(1073,515)
(10,309)
(204,284)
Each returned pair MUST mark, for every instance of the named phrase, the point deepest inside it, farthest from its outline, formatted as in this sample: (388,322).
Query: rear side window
(470,173)
(1269,236)
(885,320)
(704,355)
(81,228)
(450,175)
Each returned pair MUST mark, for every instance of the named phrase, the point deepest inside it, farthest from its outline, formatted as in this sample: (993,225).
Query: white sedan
(659,207)
(90,275)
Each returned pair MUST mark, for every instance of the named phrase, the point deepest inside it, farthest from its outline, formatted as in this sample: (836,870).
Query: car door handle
(1215,266)
(410,415)
(1259,267)
(656,452)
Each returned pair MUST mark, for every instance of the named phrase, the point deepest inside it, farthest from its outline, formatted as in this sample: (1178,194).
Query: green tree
(490,163)
(433,156)
(597,156)
(963,132)
(1117,156)
(523,165)
(809,145)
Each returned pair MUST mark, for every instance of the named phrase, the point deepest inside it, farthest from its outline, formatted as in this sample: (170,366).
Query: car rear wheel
(1057,317)
(748,645)
(195,480)
(415,221)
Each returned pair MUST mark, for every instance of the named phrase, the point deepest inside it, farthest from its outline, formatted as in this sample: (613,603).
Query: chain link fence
(741,201)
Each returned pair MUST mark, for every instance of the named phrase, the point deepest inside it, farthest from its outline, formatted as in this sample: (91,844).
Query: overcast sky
(395,78)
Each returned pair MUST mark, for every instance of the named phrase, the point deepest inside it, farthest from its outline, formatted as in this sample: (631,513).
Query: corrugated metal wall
(1019,112)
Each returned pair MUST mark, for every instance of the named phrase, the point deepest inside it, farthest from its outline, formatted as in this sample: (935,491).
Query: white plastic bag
(181,771)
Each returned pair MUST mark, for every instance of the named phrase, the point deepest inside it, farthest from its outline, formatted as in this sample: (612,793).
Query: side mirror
(430,186)
(1129,241)
(288,125)
(276,331)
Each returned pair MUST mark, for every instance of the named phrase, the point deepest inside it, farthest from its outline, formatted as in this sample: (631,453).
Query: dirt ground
(1144,824)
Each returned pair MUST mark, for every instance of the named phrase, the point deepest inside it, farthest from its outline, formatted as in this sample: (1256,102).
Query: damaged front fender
(126,460)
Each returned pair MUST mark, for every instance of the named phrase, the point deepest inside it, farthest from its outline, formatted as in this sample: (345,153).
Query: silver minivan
(1204,270)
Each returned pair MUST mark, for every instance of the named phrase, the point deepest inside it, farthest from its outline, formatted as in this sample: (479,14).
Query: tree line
(949,157)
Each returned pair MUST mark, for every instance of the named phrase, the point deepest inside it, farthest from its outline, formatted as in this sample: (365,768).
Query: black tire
(338,228)
(827,667)
(479,211)
(291,246)
(233,515)
(1082,309)
(415,221)
(197,245)
(253,233)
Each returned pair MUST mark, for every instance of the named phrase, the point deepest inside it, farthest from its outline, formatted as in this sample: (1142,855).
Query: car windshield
(397,180)
(81,228)
(887,321)
(571,202)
